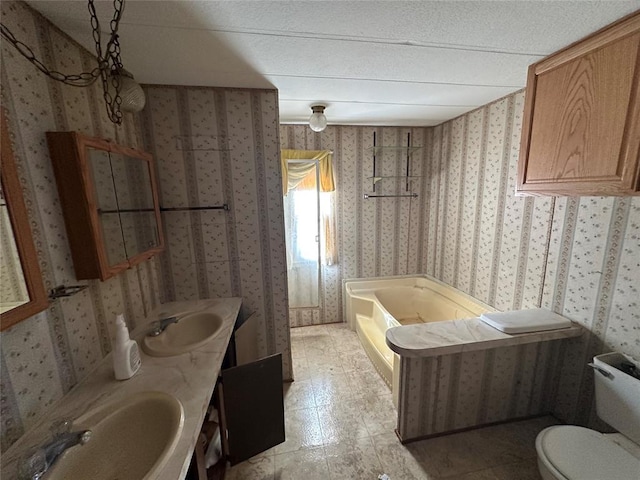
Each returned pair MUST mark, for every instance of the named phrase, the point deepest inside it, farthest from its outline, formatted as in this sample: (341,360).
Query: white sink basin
(131,439)
(190,332)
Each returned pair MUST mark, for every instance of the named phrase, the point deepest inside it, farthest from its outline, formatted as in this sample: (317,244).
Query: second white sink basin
(131,439)
(190,332)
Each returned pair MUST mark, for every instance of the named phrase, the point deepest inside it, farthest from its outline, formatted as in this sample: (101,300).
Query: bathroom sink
(190,332)
(131,439)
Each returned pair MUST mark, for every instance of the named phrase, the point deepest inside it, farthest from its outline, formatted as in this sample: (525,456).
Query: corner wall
(579,257)
(47,354)
(215,146)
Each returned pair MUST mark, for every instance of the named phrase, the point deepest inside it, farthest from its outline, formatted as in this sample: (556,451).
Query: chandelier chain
(83,79)
(109,67)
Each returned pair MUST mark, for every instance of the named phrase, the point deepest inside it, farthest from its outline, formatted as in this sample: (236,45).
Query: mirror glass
(107,205)
(135,203)
(13,288)
(22,292)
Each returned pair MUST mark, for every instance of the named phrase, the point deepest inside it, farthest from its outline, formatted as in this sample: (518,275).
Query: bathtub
(373,305)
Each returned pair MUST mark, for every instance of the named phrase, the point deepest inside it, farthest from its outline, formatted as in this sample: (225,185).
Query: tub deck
(457,336)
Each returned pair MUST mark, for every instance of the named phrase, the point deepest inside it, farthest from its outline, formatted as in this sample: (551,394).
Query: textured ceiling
(372,63)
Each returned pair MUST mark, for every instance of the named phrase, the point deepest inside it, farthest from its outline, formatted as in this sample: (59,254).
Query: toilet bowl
(567,452)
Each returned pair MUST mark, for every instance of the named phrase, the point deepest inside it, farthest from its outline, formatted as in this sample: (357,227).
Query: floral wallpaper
(578,256)
(217,146)
(376,236)
(46,355)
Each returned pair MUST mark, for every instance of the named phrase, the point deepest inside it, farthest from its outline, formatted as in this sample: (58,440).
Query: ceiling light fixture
(119,90)
(317,120)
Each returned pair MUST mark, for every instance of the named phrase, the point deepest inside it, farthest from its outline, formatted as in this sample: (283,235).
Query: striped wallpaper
(577,256)
(464,390)
(45,355)
(216,146)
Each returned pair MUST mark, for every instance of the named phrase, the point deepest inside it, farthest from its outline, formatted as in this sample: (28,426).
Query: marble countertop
(189,377)
(456,336)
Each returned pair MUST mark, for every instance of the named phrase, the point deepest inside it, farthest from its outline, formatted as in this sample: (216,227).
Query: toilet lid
(582,454)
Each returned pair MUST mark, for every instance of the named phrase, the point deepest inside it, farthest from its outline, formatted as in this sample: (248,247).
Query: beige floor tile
(298,394)
(297,348)
(356,360)
(525,470)
(309,464)
(354,406)
(256,468)
(327,362)
(301,370)
(355,459)
(397,461)
(312,330)
(507,443)
(341,422)
(332,388)
(302,430)
(368,383)
(378,413)
(345,340)
(451,455)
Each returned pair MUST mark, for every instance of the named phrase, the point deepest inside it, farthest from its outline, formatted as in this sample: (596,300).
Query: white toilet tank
(617,395)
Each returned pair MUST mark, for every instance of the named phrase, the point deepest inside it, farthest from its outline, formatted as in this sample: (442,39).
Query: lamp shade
(317,120)
(131,93)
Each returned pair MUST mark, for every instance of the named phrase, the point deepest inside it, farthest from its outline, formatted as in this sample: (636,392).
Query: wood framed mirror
(22,292)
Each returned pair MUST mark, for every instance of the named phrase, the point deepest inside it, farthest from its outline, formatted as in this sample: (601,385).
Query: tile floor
(340,422)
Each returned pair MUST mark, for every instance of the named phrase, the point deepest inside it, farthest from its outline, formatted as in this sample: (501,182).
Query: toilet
(567,452)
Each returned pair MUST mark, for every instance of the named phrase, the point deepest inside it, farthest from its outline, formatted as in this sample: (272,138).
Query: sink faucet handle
(84,437)
(60,427)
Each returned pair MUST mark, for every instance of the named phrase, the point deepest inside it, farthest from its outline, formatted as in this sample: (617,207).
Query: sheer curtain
(309,221)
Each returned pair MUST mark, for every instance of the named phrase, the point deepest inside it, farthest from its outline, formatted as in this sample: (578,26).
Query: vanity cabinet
(581,126)
(109,202)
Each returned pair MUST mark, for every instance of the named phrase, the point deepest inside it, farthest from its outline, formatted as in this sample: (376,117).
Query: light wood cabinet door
(109,203)
(581,128)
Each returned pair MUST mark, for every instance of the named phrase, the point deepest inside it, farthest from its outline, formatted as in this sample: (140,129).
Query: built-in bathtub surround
(44,356)
(464,373)
(374,305)
(216,146)
(456,391)
(190,378)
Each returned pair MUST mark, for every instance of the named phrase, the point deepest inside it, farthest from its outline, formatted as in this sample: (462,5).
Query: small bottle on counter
(126,356)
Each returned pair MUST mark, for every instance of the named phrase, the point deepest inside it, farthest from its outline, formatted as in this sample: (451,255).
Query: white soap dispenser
(126,357)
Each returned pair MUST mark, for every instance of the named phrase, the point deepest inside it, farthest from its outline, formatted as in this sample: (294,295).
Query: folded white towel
(523,321)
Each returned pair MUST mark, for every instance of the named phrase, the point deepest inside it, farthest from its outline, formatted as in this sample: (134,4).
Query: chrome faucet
(38,462)
(159,326)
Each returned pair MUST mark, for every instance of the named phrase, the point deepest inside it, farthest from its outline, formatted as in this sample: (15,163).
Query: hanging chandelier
(119,89)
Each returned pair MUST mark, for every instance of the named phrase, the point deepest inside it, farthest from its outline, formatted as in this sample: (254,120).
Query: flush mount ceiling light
(119,90)
(317,120)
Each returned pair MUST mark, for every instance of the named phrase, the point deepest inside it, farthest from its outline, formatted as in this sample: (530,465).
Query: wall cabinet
(109,202)
(581,126)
